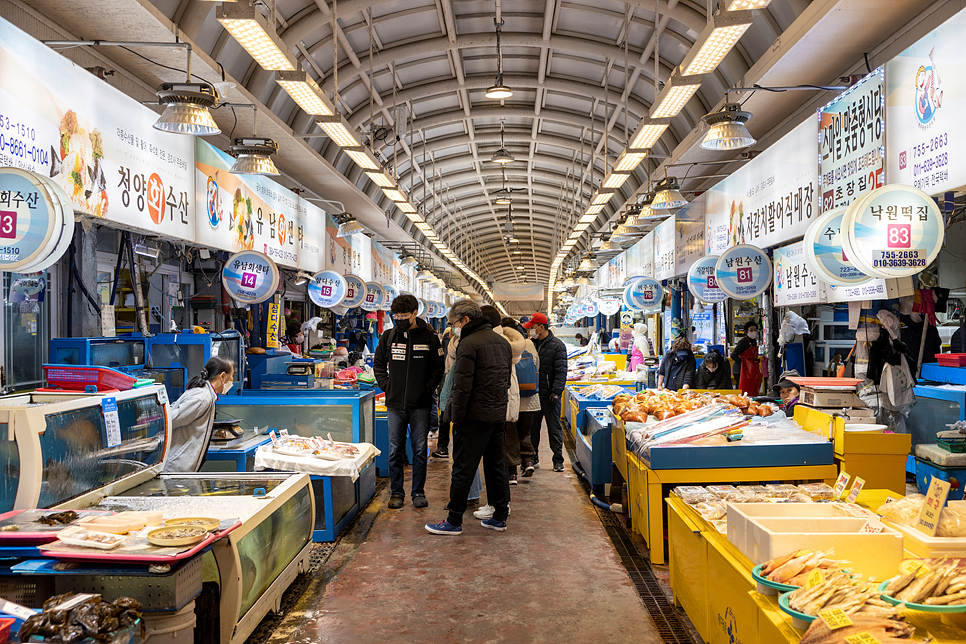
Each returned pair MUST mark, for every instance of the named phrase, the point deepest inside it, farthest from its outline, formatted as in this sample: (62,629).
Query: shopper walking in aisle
(450,343)
(193,416)
(520,452)
(676,370)
(477,409)
(746,360)
(713,372)
(553,378)
(408,366)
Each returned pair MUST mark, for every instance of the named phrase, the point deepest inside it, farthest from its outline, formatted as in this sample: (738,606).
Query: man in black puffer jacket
(408,366)
(477,409)
(553,379)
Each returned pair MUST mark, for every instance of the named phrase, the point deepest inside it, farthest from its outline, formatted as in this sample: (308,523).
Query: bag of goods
(711,510)
(693,494)
(818,491)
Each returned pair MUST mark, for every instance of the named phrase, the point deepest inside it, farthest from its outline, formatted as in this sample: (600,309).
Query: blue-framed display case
(236,455)
(271,371)
(936,407)
(382,444)
(123,353)
(594,446)
(338,500)
(347,414)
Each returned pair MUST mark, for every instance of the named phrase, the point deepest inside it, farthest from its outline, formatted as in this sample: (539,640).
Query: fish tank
(348,415)
(192,350)
(63,446)
(116,353)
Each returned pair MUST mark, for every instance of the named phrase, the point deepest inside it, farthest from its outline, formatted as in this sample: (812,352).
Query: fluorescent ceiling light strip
(673,102)
(381,179)
(588,219)
(581,227)
(647,135)
(304,91)
(615,180)
(738,5)
(362,159)
(395,195)
(339,134)
(593,210)
(602,198)
(628,161)
(408,209)
(719,42)
(247,25)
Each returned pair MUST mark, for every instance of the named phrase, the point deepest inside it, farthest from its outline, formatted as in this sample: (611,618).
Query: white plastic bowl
(865,429)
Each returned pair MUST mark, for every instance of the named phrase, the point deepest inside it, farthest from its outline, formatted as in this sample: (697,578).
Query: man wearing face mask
(408,366)
(788,391)
(746,355)
(553,378)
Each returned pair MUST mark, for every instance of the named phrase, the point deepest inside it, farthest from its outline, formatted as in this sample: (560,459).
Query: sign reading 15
(326,291)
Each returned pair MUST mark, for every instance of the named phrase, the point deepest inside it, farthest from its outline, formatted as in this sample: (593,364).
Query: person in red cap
(553,378)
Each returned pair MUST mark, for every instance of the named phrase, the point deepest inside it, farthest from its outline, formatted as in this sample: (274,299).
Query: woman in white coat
(193,416)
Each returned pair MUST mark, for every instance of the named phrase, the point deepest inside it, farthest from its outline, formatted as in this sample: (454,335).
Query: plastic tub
(951,359)
(865,428)
(170,628)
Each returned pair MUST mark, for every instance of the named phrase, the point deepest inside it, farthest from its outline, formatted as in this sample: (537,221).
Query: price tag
(283,433)
(112,424)
(163,395)
(835,618)
(18,611)
(814,578)
(865,637)
(274,437)
(872,527)
(76,600)
(935,500)
(840,484)
(908,566)
(857,485)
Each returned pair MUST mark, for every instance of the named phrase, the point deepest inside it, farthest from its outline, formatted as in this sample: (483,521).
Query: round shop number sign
(430,309)
(824,253)
(250,277)
(609,307)
(390,296)
(327,289)
(644,294)
(703,283)
(375,295)
(355,291)
(36,221)
(421,311)
(588,309)
(893,231)
(743,272)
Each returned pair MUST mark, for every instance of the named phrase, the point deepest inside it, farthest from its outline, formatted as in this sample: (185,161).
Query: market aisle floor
(553,577)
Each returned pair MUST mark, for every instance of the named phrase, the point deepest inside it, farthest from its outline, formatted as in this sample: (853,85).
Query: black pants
(442,441)
(473,441)
(550,412)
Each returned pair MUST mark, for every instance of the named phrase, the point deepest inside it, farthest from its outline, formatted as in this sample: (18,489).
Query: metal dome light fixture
(253,155)
(502,155)
(498,90)
(727,129)
(668,195)
(348,225)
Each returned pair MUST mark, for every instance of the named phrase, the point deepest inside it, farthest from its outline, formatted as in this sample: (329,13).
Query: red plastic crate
(951,359)
(5,624)
(77,378)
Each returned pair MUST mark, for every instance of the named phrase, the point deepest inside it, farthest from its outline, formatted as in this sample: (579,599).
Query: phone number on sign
(899,263)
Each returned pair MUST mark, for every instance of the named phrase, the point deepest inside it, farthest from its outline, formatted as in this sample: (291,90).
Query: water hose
(616,508)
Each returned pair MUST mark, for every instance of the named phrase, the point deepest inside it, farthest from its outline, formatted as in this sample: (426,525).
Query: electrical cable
(153,62)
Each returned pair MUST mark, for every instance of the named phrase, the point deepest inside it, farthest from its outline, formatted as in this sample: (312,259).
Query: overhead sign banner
(516,292)
(639,258)
(795,284)
(347,255)
(851,140)
(250,277)
(310,237)
(327,289)
(383,262)
(689,230)
(703,283)
(664,248)
(743,271)
(95,142)
(244,212)
(925,101)
(771,199)
(895,231)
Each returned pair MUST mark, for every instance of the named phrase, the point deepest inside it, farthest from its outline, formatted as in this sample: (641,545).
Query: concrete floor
(554,576)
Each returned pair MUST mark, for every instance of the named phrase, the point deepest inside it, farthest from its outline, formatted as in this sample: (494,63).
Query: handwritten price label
(840,484)
(864,637)
(857,486)
(814,578)
(872,527)
(909,566)
(835,618)
(935,500)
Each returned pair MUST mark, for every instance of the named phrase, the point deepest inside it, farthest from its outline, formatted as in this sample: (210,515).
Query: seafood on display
(885,631)
(793,569)
(668,404)
(937,583)
(841,591)
(71,618)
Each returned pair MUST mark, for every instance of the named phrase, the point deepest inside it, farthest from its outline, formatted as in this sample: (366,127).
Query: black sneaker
(440,453)
(419,501)
(528,469)
(558,468)
(513,479)
(396,502)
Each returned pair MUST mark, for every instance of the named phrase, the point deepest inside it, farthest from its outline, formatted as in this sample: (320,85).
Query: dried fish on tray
(885,631)
(840,591)
(936,586)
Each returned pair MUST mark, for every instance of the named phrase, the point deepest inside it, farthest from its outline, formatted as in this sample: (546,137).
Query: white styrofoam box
(922,546)
(763,532)
(830,398)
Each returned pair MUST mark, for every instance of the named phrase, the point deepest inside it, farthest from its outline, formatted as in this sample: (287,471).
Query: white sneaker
(487,512)
(433,435)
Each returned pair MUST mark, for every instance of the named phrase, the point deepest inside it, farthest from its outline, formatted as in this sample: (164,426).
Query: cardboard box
(836,398)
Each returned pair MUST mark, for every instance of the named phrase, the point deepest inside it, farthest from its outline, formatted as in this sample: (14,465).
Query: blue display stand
(594,447)
(235,456)
(381,442)
(338,500)
(927,470)
(577,405)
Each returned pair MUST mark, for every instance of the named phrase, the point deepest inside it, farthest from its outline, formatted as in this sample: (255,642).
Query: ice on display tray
(24,527)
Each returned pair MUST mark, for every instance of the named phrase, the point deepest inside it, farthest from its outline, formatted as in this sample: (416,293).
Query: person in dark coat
(553,379)
(676,370)
(910,332)
(957,344)
(408,366)
(477,408)
(713,372)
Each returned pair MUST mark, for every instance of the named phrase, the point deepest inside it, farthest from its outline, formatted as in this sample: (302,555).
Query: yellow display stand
(879,459)
(712,582)
(619,358)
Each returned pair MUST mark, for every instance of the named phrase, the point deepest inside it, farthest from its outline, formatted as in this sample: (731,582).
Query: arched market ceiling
(575,68)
